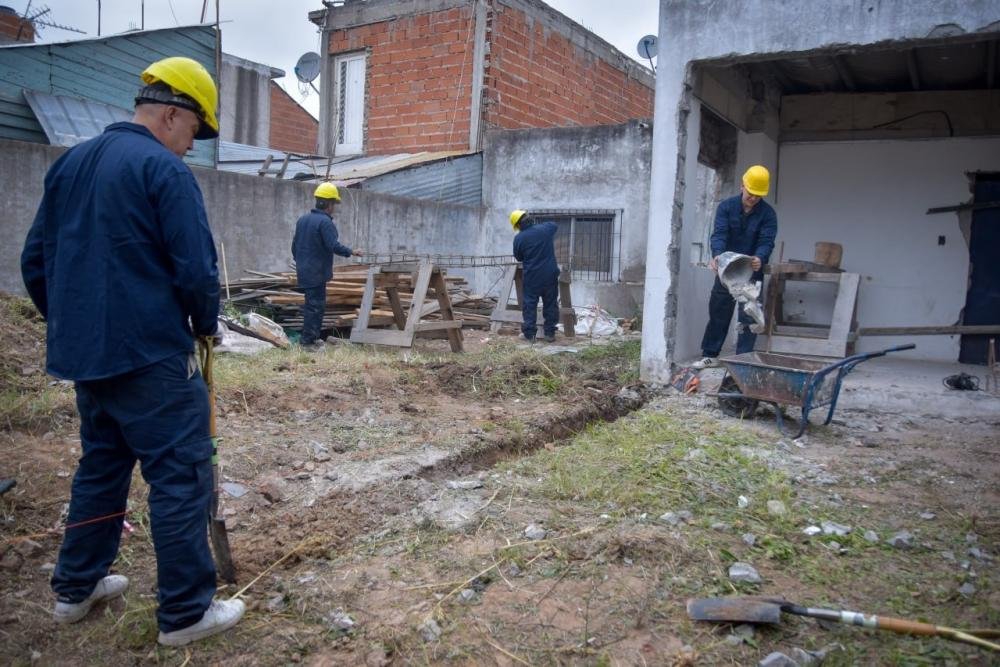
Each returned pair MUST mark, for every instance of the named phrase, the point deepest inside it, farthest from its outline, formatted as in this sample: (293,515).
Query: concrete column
(666,193)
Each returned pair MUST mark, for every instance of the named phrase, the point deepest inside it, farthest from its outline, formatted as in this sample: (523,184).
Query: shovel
(768,610)
(216,524)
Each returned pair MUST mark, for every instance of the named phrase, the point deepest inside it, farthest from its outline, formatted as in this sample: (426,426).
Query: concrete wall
(254,217)
(695,30)
(604,167)
(872,197)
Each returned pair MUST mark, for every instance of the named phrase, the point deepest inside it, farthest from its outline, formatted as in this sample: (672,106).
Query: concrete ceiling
(953,65)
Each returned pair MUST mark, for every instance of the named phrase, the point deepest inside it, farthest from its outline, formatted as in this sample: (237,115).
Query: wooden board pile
(275,292)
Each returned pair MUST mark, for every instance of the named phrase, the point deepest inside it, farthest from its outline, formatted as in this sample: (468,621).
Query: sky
(277,32)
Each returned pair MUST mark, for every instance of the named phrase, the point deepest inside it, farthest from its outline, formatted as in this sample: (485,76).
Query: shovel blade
(735,610)
(224,566)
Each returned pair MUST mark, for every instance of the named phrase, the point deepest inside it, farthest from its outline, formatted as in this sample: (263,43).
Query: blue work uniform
(313,248)
(121,263)
(534,247)
(752,234)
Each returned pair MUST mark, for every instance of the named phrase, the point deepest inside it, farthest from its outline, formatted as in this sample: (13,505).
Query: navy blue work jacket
(751,234)
(120,257)
(534,247)
(314,246)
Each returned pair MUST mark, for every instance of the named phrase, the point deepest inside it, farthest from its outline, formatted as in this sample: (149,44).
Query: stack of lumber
(276,293)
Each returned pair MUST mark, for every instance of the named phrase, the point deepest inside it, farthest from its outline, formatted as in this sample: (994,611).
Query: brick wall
(537,77)
(293,129)
(11,25)
(419,80)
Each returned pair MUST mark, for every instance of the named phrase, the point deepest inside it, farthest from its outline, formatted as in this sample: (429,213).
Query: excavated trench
(345,514)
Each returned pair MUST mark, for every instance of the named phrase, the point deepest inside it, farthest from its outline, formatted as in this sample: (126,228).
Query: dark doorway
(982,303)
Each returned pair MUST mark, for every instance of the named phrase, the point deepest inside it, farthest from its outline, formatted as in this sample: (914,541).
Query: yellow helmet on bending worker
(757,180)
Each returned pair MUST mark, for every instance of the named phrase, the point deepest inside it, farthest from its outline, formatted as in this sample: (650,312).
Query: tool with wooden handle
(768,610)
(216,524)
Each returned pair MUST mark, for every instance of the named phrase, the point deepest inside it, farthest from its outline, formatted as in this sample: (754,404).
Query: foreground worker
(534,247)
(313,248)
(121,263)
(748,225)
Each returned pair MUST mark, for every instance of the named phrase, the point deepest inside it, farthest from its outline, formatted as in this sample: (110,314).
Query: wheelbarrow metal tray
(780,378)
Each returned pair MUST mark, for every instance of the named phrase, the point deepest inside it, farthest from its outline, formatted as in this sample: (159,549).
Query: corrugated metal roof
(104,70)
(456,180)
(449,176)
(68,120)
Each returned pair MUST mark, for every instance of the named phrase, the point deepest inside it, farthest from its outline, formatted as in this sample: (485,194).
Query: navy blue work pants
(312,314)
(159,416)
(548,292)
(720,314)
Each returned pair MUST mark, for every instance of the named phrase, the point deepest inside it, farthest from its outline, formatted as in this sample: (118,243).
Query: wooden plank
(440,325)
(506,285)
(843,310)
(419,294)
(383,337)
(441,291)
(953,330)
(397,307)
(365,311)
(808,346)
(566,312)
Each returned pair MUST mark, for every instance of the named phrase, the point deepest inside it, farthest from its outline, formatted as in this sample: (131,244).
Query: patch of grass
(653,462)
(43,407)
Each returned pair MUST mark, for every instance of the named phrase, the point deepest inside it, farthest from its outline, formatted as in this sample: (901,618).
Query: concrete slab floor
(910,387)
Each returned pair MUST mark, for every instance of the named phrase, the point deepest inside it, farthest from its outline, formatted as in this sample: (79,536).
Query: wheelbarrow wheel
(741,408)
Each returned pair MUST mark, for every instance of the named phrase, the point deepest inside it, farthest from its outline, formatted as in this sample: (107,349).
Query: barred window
(587,243)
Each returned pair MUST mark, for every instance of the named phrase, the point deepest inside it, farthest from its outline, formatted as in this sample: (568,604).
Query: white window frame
(348,130)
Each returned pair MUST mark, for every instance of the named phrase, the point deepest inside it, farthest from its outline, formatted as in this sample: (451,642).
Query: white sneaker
(707,362)
(220,616)
(109,587)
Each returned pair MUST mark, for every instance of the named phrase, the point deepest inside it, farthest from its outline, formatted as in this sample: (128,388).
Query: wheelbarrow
(781,379)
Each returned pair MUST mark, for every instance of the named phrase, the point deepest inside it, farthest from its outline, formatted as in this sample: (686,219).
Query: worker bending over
(748,225)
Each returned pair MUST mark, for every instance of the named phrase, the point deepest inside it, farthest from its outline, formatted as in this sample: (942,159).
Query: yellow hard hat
(757,180)
(188,77)
(515,218)
(327,191)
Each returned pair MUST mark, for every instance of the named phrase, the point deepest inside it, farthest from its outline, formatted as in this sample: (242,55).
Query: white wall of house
(872,197)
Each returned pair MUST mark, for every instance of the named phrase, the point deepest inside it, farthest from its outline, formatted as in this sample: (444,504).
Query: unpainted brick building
(433,75)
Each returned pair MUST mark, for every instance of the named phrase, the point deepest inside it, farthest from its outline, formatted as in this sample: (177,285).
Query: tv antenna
(37,22)
(307,69)
(647,49)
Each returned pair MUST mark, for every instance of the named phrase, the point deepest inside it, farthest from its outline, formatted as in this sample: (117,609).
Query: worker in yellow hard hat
(315,244)
(120,261)
(744,224)
(534,247)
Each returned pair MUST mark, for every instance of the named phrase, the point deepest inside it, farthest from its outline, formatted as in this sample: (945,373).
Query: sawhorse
(507,313)
(424,276)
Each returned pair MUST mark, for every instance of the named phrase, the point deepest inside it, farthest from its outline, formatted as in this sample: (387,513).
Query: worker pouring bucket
(735,270)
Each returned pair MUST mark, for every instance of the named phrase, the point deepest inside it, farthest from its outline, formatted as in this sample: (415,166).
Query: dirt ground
(510,506)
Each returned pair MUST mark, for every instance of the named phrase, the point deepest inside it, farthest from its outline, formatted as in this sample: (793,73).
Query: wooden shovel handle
(905,627)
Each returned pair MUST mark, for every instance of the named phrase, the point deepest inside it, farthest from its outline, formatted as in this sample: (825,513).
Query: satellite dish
(307,68)
(647,47)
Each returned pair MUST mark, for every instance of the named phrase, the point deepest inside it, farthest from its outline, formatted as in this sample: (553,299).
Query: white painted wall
(872,197)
